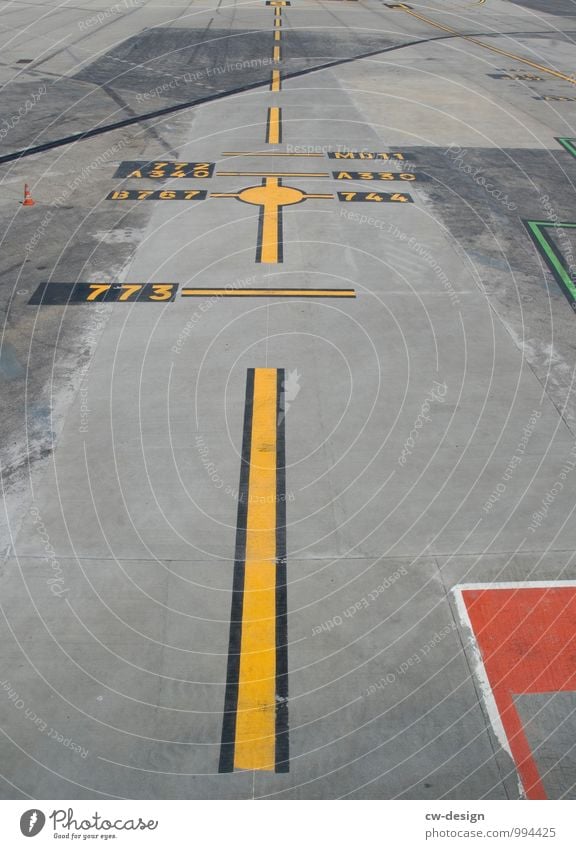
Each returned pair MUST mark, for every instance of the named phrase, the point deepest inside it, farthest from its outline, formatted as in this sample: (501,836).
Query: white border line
(513,585)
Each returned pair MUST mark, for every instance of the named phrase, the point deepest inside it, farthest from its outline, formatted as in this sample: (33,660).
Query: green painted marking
(552,256)
(568,144)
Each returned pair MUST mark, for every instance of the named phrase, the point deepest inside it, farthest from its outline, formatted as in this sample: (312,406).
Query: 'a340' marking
(165,170)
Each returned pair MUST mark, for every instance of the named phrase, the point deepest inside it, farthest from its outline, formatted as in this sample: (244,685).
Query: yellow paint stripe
(256,712)
(277,35)
(274,125)
(270,174)
(469,38)
(277,22)
(276,53)
(269,293)
(276,83)
(270,248)
(268,153)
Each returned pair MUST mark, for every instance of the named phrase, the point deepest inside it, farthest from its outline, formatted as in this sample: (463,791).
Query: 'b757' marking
(150,194)
(165,170)
(375,197)
(57,294)
(374,175)
(362,154)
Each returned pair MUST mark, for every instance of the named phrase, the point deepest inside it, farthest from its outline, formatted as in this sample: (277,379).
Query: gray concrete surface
(102,417)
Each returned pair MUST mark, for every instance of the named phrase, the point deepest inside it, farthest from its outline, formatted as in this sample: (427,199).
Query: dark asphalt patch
(482,194)
(43,353)
(182,64)
(563,8)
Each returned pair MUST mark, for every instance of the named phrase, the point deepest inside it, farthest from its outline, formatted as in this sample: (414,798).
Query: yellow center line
(274,125)
(271,235)
(270,196)
(276,53)
(277,35)
(275,85)
(469,38)
(256,711)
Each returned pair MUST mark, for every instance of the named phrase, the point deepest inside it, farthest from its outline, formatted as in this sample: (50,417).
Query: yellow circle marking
(271,195)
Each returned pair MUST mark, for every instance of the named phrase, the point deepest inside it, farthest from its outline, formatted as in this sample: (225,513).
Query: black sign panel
(376,175)
(374,197)
(150,194)
(362,154)
(58,294)
(165,170)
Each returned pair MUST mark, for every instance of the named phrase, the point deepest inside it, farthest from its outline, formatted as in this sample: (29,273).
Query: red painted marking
(527,638)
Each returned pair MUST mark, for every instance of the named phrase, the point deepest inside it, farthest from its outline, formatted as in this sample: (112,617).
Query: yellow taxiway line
(498,50)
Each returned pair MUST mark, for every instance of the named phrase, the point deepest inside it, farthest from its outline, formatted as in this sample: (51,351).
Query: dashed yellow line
(274,125)
(469,38)
(276,53)
(276,83)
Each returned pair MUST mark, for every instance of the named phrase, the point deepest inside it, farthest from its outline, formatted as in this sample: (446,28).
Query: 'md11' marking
(165,170)
(375,175)
(149,194)
(60,294)
(361,154)
(374,197)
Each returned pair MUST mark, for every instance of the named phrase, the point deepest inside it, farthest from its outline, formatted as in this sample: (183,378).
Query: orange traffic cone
(28,201)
